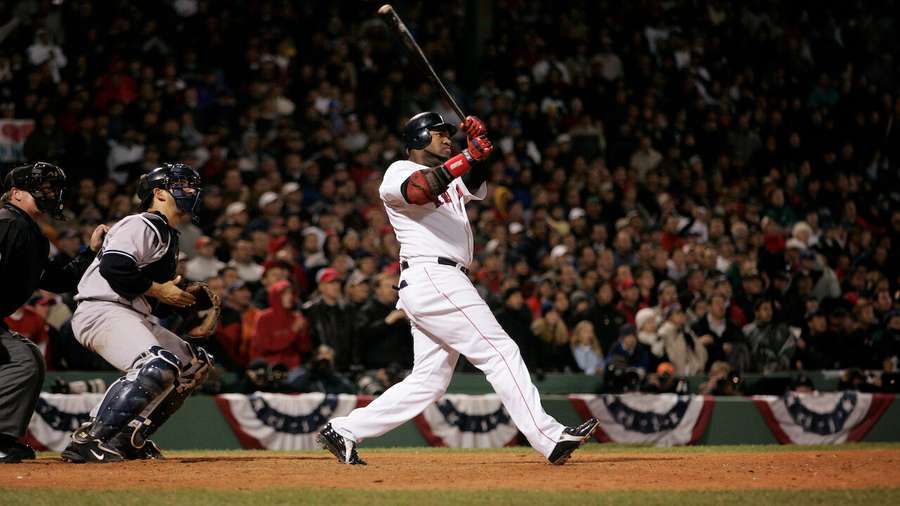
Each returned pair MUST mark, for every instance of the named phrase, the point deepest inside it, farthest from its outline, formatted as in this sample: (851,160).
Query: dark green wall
(735,420)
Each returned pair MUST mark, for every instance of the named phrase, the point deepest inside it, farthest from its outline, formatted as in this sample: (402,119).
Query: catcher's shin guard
(155,371)
(134,440)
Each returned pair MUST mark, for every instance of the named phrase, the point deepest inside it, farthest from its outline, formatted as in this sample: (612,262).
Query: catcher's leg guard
(154,372)
(133,441)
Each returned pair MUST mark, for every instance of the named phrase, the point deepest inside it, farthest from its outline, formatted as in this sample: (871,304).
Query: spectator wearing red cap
(630,303)
(331,320)
(280,336)
(236,328)
(205,265)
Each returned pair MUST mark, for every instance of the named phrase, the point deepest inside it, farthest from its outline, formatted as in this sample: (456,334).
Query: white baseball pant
(450,318)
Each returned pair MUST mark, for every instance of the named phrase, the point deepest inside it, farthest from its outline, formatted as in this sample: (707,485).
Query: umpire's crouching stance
(31,191)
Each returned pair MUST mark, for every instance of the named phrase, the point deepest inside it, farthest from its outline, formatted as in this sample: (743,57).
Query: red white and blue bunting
(822,418)
(467,421)
(657,419)
(56,416)
(283,421)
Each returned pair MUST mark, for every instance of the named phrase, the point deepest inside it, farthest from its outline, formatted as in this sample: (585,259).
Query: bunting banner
(267,421)
(822,418)
(467,421)
(657,419)
(56,416)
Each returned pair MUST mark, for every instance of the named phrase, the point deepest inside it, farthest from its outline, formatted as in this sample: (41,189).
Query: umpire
(31,191)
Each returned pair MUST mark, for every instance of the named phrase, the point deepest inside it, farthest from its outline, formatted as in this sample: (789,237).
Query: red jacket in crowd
(280,334)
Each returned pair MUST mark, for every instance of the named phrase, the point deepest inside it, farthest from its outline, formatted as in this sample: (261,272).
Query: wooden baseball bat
(389,15)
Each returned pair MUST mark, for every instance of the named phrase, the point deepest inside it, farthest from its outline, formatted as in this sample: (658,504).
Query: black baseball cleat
(342,448)
(16,452)
(150,450)
(570,440)
(85,449)
(123,444)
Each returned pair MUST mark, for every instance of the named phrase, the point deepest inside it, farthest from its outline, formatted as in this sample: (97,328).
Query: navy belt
(443,261)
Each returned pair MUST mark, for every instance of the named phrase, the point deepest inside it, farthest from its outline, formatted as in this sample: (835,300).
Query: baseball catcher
(136,263)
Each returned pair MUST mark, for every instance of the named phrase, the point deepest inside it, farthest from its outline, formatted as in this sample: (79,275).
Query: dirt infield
(591,469)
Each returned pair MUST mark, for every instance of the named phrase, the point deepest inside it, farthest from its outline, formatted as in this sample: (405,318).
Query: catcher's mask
(181,180)
(44,181)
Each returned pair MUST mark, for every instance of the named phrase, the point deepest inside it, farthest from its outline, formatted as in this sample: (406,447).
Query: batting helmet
(174,178)
(44,181)
(417,132)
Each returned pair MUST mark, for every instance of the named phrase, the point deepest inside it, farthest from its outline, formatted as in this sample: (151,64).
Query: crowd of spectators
(680,187)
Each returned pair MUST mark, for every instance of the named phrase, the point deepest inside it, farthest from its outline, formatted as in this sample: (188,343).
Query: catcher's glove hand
(201,318)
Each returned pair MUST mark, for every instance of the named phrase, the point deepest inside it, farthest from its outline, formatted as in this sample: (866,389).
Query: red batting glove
(480,147)
(473,127)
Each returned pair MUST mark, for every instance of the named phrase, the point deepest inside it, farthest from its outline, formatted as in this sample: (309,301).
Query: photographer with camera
(319,375)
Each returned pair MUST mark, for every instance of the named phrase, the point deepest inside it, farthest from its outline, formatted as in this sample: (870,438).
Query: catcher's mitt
(201,318)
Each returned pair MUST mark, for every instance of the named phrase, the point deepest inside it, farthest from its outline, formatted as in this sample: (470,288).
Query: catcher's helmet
(175,178)
(417,132)
(44,181)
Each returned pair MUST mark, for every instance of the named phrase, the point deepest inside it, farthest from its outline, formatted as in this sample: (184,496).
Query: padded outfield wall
(203,423)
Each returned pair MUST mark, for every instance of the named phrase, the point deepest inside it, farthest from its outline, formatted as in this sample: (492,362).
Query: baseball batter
(425,198)
(137,261)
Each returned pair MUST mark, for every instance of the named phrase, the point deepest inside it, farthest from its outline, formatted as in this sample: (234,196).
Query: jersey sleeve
(480,192)
(393,179)
(134,237)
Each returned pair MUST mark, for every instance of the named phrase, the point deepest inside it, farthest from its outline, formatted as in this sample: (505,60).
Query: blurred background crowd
(681,188)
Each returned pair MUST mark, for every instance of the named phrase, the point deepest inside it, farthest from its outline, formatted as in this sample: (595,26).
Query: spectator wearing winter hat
(684,350)
(647,324)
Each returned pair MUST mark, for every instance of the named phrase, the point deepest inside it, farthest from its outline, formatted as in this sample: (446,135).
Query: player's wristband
(459,164)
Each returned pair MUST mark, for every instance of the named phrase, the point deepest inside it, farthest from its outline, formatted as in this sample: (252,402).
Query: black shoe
(570,440)
(91,451)
(149,451)
(16,452)
(342,448)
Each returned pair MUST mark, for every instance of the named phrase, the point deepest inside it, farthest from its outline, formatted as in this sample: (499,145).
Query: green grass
(272,497)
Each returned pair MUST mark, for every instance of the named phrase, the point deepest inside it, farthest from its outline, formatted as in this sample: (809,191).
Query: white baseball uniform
(448,318)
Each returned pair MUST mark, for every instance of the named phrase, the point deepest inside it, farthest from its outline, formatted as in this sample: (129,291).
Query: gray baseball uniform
(118,328)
